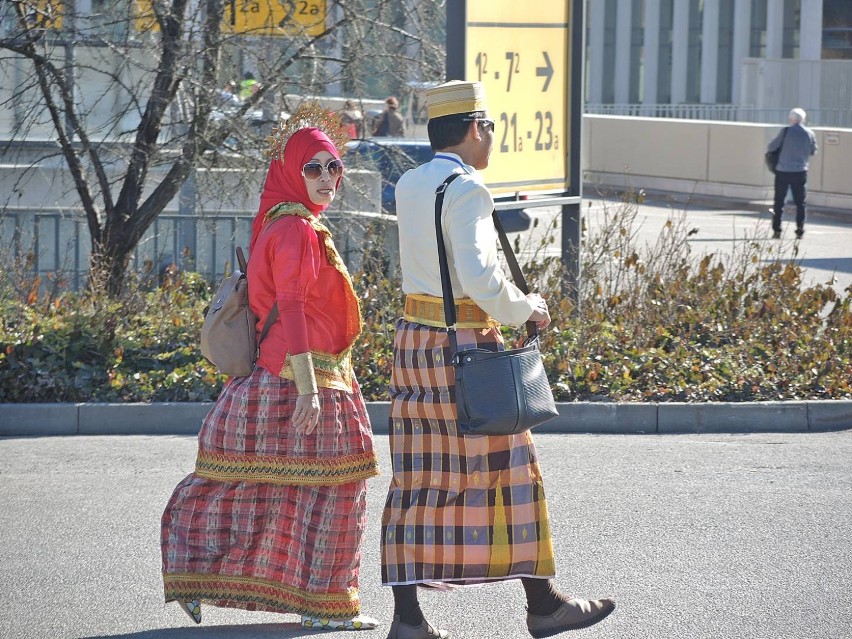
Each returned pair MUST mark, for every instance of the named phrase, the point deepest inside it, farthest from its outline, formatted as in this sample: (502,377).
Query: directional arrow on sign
(546,71)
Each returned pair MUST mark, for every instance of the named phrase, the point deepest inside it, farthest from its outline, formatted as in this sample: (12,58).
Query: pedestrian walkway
(716,225)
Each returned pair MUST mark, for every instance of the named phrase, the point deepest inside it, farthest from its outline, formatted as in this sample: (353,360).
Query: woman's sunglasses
(314,170)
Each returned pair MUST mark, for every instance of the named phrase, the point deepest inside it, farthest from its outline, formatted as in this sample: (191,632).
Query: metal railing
(841,118)
(56,244)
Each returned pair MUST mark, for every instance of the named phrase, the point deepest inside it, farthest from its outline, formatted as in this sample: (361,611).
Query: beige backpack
(229,334)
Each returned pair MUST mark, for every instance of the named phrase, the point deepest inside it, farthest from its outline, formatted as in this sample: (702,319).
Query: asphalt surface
(697,536)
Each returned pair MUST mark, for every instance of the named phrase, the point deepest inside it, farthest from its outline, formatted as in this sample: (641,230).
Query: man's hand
(540,314)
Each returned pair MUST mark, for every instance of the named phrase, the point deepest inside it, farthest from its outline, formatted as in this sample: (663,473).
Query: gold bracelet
(302,366)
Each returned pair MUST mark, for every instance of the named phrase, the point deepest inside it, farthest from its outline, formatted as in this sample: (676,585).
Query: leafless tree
(127,96)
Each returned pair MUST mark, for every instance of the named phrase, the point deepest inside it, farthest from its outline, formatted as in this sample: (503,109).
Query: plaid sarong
(271,520)
(460,509)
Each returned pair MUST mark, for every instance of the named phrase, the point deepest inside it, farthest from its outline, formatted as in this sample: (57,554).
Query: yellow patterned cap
(455,97)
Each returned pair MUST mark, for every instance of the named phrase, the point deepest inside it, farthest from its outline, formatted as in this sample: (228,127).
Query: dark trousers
(796,182)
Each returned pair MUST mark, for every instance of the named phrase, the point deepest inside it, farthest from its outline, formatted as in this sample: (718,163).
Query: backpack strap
(273,312)
(241,260)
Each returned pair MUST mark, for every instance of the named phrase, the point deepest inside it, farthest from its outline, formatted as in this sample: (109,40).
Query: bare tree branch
(135,108)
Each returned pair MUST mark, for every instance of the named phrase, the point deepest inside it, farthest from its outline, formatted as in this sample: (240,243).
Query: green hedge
(656,324)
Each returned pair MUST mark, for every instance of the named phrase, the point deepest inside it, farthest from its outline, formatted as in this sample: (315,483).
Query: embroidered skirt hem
(259,594)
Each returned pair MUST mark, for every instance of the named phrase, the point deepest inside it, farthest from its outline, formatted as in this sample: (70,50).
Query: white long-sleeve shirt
(469,235)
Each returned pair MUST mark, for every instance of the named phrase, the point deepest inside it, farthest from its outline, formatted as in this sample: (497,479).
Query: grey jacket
(799,145)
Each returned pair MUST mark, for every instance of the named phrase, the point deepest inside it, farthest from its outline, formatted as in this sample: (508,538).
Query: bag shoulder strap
(273,312)
(514,267)
(446,284)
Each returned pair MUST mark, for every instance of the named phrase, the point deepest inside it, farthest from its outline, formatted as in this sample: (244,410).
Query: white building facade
(746,60)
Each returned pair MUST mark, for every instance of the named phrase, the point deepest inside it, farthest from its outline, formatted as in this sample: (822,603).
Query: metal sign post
(531,64)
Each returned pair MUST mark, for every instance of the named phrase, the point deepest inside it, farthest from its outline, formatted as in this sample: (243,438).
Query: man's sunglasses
(483,122)
(314,170)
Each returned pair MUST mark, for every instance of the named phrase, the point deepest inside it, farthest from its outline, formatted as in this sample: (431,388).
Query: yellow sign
(144,18)
(43,14)
(275,17)
(522,58)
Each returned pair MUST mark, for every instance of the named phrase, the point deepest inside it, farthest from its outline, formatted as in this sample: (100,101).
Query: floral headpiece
(305,116)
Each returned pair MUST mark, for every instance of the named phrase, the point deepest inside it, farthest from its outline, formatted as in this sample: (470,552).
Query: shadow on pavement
(841,264)
(237,631)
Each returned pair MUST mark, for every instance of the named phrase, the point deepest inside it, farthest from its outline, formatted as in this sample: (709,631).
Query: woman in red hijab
(273,517)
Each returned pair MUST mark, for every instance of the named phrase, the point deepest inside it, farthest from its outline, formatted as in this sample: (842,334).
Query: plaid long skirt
(460,509)
(271,520)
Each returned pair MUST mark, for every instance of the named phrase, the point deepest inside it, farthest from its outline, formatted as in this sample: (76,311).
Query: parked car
(391,157)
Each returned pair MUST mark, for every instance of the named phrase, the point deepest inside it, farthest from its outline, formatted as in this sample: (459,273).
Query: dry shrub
(654,323)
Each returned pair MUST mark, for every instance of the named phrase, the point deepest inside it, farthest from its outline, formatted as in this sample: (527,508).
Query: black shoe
(399,630)
(776,235)
(573,614)
(800,233)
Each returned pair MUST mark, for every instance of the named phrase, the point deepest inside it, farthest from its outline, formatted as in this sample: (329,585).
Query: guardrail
(841,118)
(56,243)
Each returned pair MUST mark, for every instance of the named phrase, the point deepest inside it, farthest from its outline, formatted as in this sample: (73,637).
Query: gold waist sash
(429,311)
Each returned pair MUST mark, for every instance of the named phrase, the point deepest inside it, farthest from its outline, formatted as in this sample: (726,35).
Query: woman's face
(321,178)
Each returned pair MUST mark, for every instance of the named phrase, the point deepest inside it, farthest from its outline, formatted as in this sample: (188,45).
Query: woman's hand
(540,314)
(307,413)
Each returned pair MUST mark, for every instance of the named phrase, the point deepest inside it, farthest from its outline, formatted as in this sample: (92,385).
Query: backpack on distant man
(229,333)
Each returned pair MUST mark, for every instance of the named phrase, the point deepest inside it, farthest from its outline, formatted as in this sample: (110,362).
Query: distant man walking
(391,123)
(797,144)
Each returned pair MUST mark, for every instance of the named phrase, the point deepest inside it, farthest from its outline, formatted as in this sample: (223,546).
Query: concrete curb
(184,418)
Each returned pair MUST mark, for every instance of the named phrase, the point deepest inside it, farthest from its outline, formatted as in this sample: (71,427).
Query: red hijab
(284,181)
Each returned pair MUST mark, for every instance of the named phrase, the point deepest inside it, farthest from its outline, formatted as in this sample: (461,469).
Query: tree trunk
(108,267)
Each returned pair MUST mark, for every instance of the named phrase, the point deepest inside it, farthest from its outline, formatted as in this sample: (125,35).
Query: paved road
(825,252)
(697,536)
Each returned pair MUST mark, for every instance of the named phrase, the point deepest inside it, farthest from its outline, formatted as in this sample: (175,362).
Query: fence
(56,244)
(770,88)
(840,118)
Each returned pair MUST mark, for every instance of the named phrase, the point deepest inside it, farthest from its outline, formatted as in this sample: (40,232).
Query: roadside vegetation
(654,323)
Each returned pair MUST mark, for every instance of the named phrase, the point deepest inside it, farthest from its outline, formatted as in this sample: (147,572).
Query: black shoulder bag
(771,157)
(496,393)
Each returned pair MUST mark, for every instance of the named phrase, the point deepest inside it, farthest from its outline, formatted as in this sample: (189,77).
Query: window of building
(792,22)
(42,15)
(637,40)
(664,68)
(693,65)
(725,65)
(757,40)
(610,15)
(111,19)
(837,30)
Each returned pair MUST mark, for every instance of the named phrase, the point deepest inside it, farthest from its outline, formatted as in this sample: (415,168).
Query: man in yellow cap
(461,509)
